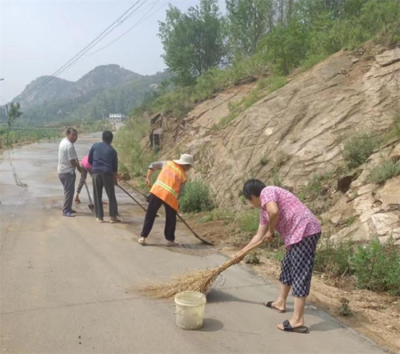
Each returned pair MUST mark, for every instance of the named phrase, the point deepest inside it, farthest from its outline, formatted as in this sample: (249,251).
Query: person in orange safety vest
(166,191)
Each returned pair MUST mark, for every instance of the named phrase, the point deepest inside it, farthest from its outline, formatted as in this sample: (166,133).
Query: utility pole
(8,124)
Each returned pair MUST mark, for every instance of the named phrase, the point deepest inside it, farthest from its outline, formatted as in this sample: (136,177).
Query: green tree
(194,41)
(286,46)
(12,114)
(248,22)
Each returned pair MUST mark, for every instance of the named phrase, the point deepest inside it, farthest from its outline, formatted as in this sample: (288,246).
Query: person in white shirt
(67,163)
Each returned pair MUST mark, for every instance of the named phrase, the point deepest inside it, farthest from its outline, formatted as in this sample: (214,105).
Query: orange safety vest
(168,184)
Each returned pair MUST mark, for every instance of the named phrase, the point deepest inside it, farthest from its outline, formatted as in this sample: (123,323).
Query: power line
(141,20)
(128,13)
(100,37)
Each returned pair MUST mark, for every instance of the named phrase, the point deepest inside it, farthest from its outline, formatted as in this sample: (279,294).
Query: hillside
(298,137)
(55,89)
(105,89)
(295,136)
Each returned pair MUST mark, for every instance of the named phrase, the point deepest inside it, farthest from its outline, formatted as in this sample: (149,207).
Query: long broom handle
(88,193)
(179,216)
(193,232)
(135,189)
(231,261)
(130,196)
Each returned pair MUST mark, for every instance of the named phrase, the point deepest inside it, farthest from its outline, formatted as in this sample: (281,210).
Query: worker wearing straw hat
(166,191)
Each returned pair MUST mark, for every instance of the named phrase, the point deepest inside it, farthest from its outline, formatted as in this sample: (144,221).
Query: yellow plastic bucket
(190,309)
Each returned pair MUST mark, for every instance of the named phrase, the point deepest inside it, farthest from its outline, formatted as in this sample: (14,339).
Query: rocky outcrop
(298,131)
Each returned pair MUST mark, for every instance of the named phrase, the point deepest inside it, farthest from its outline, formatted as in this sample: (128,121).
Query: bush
(131,153)
(377,267)
(382,173)
(315,187)
(358,148)
(344,308)
(285,46)
(334,260)
(174,103)
(196,197)
(210,82)
(382,19)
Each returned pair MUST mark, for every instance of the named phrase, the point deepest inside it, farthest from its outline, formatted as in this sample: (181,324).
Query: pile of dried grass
(200,281)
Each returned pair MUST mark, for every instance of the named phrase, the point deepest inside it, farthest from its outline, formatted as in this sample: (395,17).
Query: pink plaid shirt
(295,222)
(85,162)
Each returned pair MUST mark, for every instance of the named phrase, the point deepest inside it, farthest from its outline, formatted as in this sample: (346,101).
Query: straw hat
(185,159)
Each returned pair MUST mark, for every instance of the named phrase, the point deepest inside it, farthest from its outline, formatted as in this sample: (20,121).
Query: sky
(37,37)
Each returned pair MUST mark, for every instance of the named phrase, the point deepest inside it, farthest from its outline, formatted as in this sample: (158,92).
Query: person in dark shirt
(104,161)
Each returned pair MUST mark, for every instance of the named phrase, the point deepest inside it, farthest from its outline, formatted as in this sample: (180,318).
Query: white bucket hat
(185,159)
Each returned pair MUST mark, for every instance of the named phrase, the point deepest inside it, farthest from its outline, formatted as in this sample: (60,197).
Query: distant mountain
(102,77)
(51,88)
(105,89)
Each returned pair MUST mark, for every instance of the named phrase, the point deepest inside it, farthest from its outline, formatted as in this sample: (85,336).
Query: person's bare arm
(75,163)
(258,237)
(153,166)
(264,232)
(273,215)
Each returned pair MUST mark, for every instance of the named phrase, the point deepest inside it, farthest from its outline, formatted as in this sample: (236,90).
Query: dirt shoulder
(375,315)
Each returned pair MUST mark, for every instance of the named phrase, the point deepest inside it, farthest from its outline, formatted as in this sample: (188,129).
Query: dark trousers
(170,215)
(68,182)
(101,180)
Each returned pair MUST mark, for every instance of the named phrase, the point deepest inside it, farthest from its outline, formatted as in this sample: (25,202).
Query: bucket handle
(220,280)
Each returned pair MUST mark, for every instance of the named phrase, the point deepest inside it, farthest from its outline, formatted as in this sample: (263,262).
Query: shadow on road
(217,296)
(211,325)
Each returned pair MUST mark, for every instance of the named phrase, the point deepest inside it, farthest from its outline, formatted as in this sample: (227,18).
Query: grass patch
(350,221)
(375,266)
(248,220)
(344,308)
(276,180)
(28,135)
(312,61)
(217,215)
(316,187)
(131,153)
(394,131)
(275,82)
(358,148)
(224,121)
(264,161)
(383,172)
(196,197)
(252,258)
(334,259)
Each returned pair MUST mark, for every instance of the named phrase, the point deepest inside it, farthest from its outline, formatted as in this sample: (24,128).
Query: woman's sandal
(287,327)
(269,305)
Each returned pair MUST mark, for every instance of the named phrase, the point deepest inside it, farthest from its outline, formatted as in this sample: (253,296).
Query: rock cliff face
(298,131)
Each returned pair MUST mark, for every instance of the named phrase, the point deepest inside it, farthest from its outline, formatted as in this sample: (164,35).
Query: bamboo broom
(200,281)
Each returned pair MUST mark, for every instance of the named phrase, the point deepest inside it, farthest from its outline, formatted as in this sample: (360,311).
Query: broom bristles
(200,281)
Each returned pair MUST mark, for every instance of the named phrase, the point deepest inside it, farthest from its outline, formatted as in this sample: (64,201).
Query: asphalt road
(68,285)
